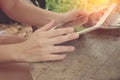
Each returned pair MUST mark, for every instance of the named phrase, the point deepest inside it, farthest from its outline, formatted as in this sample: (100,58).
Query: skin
(94,17)
(27,13)
(41,45)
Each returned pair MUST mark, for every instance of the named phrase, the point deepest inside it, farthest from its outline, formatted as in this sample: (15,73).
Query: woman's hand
(72,15)
(42,46)
(95,17)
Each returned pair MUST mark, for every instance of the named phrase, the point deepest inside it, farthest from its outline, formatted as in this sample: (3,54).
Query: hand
(42,45)
(71,15)
(94,17)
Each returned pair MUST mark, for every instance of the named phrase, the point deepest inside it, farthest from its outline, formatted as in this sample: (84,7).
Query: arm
(6,49)
(24,12)
(41,46)
(9,39)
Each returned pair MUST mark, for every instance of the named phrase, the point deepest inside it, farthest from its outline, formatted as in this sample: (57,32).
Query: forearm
(27,13)
(5,57)
(9,39)
(9,48)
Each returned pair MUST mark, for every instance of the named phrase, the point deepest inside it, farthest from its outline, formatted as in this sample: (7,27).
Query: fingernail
(76,35)
(72,48)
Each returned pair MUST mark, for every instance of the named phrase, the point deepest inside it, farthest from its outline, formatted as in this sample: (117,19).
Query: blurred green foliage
(65,5)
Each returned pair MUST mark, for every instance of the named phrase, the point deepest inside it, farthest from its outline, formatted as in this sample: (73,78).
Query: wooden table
(97,57)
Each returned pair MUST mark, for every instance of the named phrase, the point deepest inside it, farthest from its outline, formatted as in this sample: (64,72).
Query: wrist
(12,53)
(19,51)
(8,54)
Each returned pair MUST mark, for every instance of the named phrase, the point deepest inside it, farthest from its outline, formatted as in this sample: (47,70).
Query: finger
(62,39)
(56,57)
(58,49)
(58,32)
(77,22)
(48,26)
(47,53)
(94,17)
(49,57)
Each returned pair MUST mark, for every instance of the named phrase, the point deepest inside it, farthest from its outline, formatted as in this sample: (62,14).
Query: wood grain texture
(96,58)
